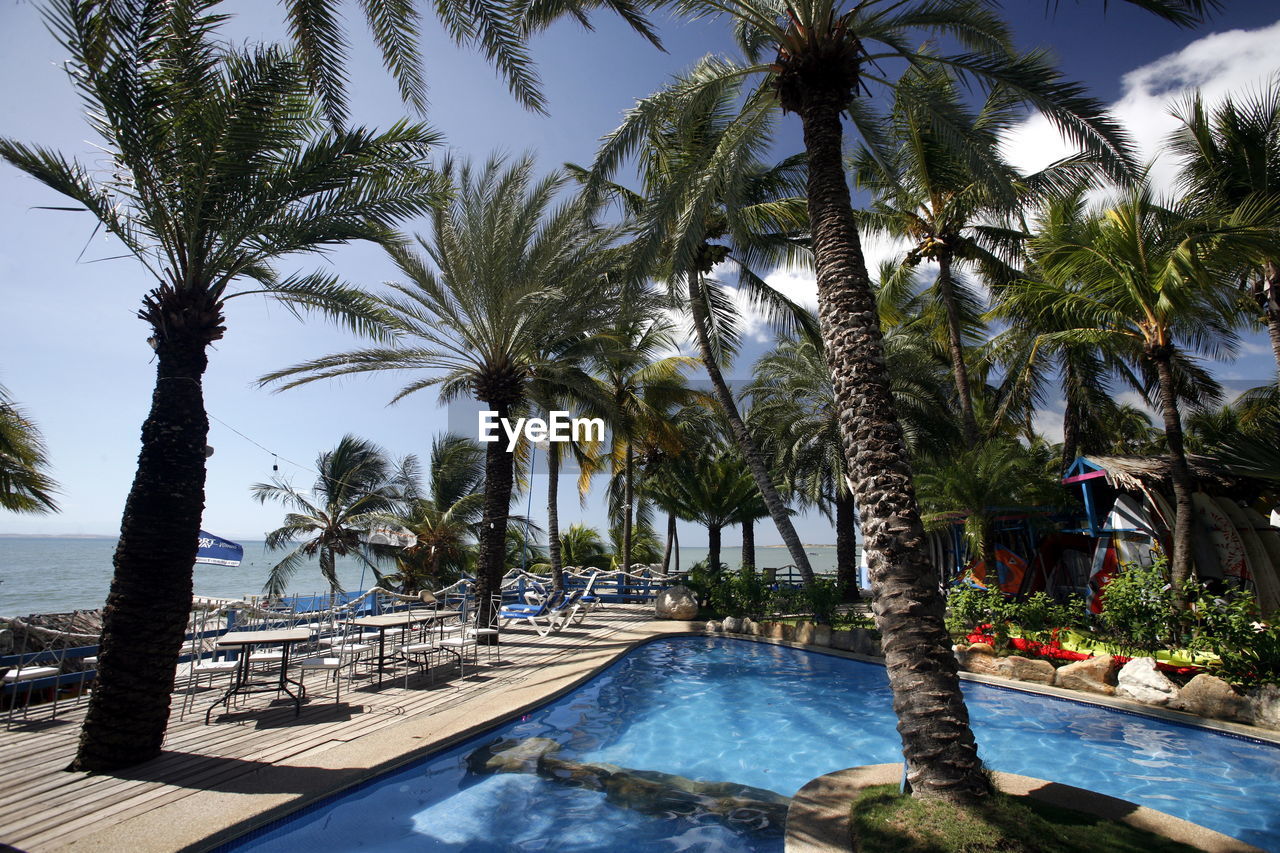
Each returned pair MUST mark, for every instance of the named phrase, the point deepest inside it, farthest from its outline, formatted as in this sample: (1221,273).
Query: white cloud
(1048,422)
(1235,63)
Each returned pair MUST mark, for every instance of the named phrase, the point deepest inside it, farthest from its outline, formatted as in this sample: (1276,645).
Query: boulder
(821,635)
(804,633)
(1209,696)
(678,602)
(732,625)
(1264,705)
(867,643)
(752,627)
(1092,675)
(1025,669)
(714,627)
(979,658)
(1141,681)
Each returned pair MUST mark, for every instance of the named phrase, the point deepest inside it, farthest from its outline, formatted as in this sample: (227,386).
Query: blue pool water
(771,717)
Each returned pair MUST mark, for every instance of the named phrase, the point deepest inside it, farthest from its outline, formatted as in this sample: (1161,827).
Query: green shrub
(822,597)
(1138,610)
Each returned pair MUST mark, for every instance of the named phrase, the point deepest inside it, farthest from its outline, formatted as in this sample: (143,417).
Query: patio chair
(538,615)
(335,654)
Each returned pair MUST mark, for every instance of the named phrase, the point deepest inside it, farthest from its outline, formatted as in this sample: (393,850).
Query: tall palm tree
(582,546)
(1230,157)
(25,485)
(1145,278)
(356,486)
(817,59)
(510,289)
(642,389)
(218,164)
(952,203)
(709,202)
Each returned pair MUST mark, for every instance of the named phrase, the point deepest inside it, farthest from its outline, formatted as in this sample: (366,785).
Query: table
(403,619)
(244,641)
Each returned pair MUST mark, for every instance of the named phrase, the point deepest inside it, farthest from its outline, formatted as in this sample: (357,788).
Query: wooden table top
(394,620)
(279,635)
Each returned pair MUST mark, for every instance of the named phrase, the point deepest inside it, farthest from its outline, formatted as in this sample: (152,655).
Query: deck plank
(223,755)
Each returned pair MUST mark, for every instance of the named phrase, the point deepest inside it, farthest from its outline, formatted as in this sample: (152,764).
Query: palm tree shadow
(234,775)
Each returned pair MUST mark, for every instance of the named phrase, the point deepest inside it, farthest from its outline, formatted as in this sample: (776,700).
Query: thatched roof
(1135,472)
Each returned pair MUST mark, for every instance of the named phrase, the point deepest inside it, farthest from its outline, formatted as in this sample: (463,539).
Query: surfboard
(1256,559)
(1127,514)
(1270,539)
(1222,535)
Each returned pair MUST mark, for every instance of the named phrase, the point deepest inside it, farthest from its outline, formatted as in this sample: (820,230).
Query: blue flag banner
(217,551)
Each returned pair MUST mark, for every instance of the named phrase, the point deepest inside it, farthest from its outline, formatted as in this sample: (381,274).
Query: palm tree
(1231,157)
(356,487)
(218,165)
(979,481)
(642,390)
(948,201)
(24,484)
(715,491)
(709,200)
(1141,277)
(816,59)
(582,546)
(517,288)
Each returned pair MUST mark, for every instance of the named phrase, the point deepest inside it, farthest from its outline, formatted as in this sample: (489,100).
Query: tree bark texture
(499,479)
(713,549)
(149,605)
(553,514)
(846,548)
(1179,474)
(938,744)
(955,346)
(629,498)
(1269,299)
(1070,418)
(749,545)
(772,500)
(671,539)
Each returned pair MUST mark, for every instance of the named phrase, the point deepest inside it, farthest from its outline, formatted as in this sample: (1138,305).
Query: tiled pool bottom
(770,717)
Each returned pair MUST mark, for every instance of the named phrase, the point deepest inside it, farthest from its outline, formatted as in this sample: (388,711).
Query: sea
(58,575)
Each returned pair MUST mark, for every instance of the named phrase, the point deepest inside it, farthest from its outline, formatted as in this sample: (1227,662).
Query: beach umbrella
(217,551)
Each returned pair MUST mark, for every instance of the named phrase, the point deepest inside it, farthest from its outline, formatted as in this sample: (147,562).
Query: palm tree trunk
(553,514)
(499,479)
(987,553)
(846,548)
(671,538)
(938,745)
(1070,418)
(772,500)
(629,498)
(675,539)
(713,549)
(145,619)
(1179,473)
(749,545)
(1270,300)
(955,344)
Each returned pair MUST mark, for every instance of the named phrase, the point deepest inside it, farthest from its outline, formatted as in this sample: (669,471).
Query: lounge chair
(538,615)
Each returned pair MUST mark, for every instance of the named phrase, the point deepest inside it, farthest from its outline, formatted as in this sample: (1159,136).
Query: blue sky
(73,354)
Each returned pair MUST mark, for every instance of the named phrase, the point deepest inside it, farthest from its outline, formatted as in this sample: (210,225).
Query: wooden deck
(45,808)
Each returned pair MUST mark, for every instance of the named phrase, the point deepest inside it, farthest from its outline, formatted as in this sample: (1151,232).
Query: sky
(75,357)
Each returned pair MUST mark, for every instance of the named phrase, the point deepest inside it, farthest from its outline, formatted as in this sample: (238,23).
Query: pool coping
(205,820)
(819,820)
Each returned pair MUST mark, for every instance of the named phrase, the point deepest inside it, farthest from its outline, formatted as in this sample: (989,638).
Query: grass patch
(885,822)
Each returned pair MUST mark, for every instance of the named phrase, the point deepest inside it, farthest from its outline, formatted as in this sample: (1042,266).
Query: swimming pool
(771,717)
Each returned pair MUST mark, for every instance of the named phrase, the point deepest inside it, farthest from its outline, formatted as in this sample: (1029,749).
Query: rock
(1025,669)
(678,602)
(1264,706)
(1092,675)
(714,627)
(774,630)
(842,640)
(752,627)
(804,633)
(732,625)
(507,755)
(866,643)
(822,635)
(980,658)
(1141,681)
(1209,696)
